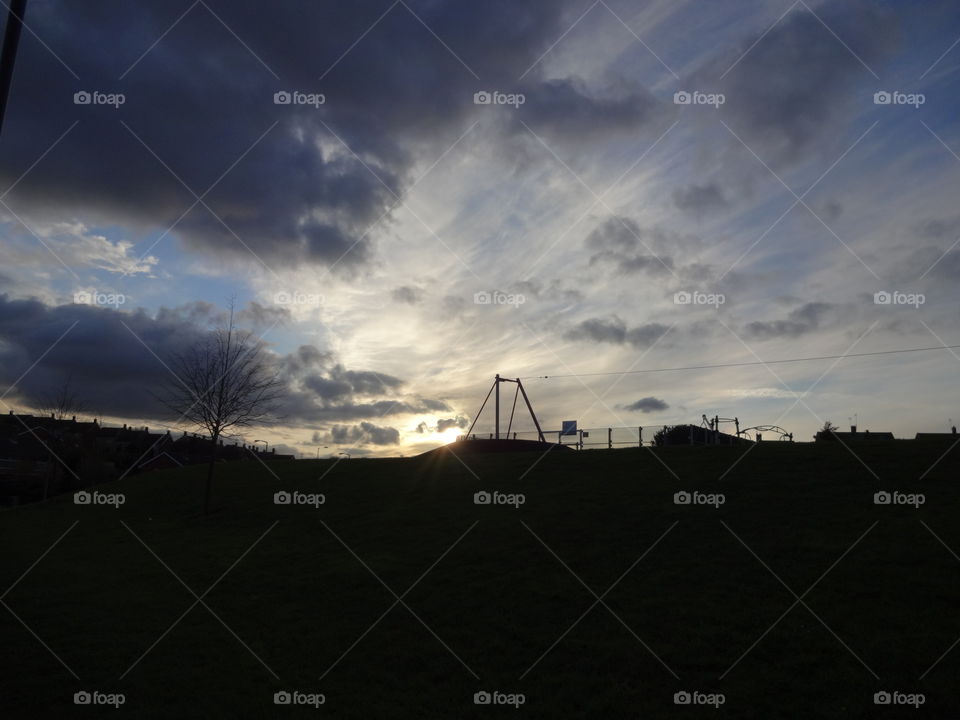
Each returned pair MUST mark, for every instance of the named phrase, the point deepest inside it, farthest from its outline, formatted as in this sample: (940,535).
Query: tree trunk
(209,489)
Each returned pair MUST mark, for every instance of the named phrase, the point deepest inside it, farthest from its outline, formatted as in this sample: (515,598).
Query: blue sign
(568,427)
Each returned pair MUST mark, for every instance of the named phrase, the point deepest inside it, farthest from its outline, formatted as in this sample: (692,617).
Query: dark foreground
(402,597)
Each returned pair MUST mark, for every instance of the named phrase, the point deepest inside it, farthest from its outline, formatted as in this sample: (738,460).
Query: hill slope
(496,596)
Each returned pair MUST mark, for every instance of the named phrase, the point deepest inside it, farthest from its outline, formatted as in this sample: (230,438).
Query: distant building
(852,436)
(41,456)
(952,435)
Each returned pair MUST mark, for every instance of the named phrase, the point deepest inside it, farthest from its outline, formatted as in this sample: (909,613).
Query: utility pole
(8,56)
(497,406)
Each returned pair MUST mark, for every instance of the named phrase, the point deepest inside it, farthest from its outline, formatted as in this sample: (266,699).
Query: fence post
(640,436)
(609,438)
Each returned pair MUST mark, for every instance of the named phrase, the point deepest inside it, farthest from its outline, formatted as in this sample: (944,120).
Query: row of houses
(41,456)
(867,436)
(710,435)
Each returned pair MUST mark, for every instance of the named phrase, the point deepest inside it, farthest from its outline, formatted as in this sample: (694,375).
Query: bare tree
(62,403)
(222,382)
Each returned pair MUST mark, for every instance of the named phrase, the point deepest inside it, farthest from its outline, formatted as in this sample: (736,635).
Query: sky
(404,198)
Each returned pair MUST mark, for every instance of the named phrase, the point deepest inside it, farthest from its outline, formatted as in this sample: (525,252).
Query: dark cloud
(801,321)
(263,317)
(118,362)
(931,263)
(794,87)
(366,433)
(646,405)
(199,113)
(457,422)
(567,109)
(614,331)
(831,210)
(434,405)
(700,199)
(321,389)
(554,291)
(940,228)
(107,355)
(621,242)
(408,295)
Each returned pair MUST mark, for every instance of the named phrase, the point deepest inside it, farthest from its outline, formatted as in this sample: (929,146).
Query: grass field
(497,597)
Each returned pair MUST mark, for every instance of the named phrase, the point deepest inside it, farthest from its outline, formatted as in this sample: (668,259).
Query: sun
(450,435)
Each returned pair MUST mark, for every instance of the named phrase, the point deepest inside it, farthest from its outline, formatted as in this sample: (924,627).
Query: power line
(744,364)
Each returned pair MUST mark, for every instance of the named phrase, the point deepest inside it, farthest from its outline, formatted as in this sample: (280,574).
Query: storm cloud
(117,362)
(204,148)
(646,405)
(800,321)
(615,331)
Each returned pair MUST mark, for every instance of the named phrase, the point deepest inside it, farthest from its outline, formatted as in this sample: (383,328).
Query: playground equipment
(714,425)
(495,390)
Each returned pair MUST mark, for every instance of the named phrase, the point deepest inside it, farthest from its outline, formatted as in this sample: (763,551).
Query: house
(45,455)
(852,436)
(943,437)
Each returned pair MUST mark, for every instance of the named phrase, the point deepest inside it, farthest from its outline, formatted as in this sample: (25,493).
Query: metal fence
(640,436)
(586,438)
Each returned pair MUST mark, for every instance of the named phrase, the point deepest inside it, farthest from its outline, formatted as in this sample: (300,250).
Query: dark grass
(499,599)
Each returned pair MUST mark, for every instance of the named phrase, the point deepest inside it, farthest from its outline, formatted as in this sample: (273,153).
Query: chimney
(853,428)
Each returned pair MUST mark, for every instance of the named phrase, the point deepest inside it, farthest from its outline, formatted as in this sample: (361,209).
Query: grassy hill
(502,597)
